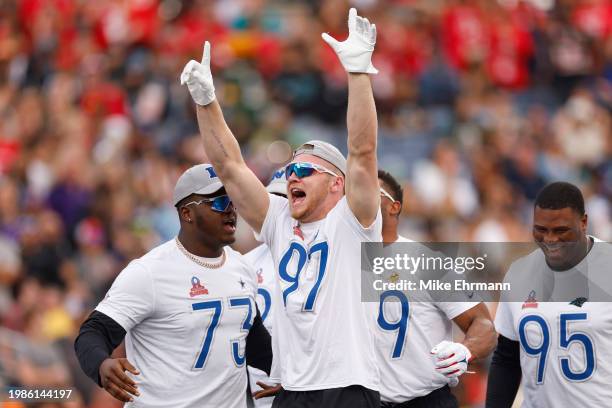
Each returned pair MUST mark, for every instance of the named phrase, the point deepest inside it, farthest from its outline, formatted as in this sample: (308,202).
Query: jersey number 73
(217,307)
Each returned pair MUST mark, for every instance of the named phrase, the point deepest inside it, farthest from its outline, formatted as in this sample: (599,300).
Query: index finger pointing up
(352,19)
(206,54)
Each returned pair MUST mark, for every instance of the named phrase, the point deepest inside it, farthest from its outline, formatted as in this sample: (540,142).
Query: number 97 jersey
(321,334)
(565,347)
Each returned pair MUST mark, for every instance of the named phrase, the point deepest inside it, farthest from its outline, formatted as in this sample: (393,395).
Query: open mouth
(229,225)
(297,195)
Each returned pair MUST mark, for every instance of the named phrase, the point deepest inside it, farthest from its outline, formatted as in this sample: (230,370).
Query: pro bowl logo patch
(531,301)
(260,276)
(197,288)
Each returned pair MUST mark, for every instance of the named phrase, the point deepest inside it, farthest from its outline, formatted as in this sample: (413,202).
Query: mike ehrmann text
(438,285)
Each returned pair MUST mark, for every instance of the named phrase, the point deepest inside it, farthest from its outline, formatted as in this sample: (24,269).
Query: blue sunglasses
(305,169)
(219,204)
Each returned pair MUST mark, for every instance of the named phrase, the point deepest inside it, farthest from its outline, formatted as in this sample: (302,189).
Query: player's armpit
(504,374)
(259,346)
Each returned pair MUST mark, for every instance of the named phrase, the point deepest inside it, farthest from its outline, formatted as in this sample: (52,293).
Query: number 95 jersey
(565,347)
(321,333)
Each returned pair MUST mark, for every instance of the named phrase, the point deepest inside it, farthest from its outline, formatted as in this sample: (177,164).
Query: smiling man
(186,310)
(556,341)
(323,350)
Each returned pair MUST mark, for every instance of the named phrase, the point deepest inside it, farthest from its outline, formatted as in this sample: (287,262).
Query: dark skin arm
(267,390)
(98,337)
(115,381)
(480,336)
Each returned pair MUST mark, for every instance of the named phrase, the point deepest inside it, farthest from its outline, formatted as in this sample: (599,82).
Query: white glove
(198,78)
(452,358)
(355,53)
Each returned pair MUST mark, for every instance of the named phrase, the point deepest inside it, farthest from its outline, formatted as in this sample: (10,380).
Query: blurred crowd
(480,102)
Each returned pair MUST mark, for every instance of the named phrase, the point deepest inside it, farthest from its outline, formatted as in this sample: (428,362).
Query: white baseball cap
(325,151)
(199,179)
(278,182)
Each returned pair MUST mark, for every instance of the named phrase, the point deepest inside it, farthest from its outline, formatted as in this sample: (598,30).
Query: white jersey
(186,327)
(261,261)
(566,347)
(321,334)
(406,331)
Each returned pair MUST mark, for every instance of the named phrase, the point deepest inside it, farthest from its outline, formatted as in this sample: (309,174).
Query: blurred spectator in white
(583,130)
(444,183)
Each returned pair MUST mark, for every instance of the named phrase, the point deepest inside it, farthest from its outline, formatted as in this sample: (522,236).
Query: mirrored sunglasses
(218,204)
(305,169)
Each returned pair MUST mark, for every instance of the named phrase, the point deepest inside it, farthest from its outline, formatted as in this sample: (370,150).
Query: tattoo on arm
(217,138)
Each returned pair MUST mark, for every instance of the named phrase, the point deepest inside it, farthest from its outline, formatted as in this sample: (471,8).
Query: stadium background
(480,104)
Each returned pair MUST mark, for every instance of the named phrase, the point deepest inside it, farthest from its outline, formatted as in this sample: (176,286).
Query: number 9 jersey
(565,347)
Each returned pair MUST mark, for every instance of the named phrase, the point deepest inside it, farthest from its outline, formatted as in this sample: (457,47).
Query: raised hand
(198,78)
(355,53)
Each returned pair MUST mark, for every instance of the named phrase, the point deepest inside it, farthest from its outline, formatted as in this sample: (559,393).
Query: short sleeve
(131,298)
(504,323)
(268,229)
(342,213)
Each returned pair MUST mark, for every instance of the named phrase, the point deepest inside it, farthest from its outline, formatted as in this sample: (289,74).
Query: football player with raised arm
(558,349)
(186,310)
(417,363)
(324,350)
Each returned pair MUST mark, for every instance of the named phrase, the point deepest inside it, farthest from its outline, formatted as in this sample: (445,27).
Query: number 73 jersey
(186,327)
(565,347)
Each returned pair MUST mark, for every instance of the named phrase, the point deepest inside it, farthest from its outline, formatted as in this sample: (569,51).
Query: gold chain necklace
(198,261)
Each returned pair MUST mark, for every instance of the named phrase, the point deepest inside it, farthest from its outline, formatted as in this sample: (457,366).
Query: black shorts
(354,396)
(440,398)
